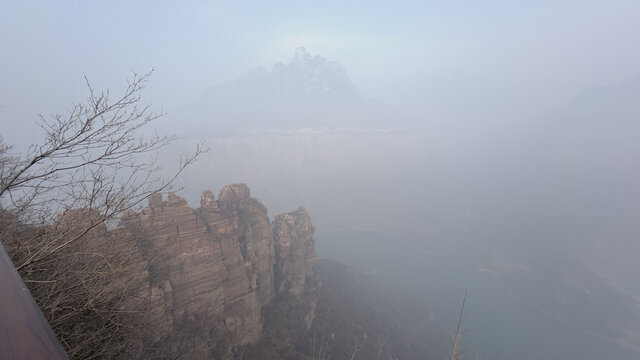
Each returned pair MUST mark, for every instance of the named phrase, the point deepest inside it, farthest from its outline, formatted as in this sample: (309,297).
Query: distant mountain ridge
(309,92)
(305,75)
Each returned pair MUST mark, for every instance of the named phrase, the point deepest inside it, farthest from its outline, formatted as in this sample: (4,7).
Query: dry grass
(456,352)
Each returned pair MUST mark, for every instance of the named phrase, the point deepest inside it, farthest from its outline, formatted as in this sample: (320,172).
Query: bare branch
(58,202)
(456,353)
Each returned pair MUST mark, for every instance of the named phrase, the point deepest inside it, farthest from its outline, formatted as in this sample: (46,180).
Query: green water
(496,324)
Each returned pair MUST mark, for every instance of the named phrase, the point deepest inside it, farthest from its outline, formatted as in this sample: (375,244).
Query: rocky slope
(225,282)
(355,318)
(216,267)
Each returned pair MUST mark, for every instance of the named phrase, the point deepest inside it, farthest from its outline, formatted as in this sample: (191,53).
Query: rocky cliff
(217,266)
(218,282)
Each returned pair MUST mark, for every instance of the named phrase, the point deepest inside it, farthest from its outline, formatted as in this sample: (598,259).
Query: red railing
(24,332)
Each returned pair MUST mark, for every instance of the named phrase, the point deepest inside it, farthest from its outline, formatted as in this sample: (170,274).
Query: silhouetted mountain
(306,77)
(309,92)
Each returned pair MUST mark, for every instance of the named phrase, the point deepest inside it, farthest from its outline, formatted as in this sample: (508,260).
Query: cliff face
(295,250)
(219,265)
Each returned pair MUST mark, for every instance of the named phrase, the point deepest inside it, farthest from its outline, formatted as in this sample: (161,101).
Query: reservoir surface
(496,324)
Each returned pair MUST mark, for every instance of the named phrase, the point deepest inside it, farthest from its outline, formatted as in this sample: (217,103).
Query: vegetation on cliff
(57,200)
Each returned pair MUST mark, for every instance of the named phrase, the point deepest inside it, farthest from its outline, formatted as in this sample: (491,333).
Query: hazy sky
(534,46)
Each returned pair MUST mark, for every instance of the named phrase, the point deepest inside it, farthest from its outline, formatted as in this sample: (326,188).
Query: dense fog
(485,146)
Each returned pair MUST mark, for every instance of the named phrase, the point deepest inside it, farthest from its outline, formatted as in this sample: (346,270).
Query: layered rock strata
(220,264)
(295,250)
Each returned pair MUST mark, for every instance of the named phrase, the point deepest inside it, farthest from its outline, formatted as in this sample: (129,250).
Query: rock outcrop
(219,265)
(295,250)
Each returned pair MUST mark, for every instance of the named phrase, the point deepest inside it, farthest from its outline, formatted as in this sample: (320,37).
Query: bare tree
(380,348)
(358,342)
(57,203)
(318,351)
(96,158)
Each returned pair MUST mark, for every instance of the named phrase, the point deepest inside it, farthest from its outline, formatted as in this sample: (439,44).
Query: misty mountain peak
(301,55)
(309,91)
(307,76)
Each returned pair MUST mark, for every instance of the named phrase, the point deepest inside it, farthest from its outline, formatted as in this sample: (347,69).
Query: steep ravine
(225,282)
